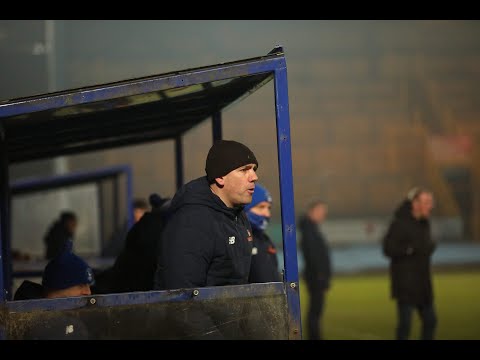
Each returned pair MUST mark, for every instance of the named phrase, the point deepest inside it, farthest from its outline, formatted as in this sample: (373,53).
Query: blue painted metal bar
(140,86)
(217,126)
(287,201)
(179,161)
(73,178)
(34,268)
(149,297)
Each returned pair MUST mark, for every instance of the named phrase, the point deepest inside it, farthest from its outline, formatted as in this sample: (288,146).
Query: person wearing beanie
(409,246)
(66,275)
(207,240)
(264,267)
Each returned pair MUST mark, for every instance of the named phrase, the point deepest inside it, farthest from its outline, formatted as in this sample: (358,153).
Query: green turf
(359,307)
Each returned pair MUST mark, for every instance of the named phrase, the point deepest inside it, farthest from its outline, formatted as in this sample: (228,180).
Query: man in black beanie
(207,240)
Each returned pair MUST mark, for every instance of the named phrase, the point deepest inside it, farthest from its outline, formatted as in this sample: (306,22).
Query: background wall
(376,106)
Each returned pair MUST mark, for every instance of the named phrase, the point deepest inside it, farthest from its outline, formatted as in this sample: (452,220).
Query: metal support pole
(5,257)
(287,202)
(217,126)
(179,161)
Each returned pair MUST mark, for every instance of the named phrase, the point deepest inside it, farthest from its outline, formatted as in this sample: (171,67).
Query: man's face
(319,213)
(238,185)
(263,209)
(422,206)
(138,213)
(71,226)
(76,290)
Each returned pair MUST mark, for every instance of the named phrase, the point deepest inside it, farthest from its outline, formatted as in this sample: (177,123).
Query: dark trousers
(427,317)
(315,311)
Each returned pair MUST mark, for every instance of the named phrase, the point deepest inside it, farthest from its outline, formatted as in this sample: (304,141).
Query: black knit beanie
(225,156)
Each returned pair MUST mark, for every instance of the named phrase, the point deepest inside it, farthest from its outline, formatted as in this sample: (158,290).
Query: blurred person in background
(140,207)
(61,232)
(409,246)
(264,267)
(318,269)
(116,242)
(134,268)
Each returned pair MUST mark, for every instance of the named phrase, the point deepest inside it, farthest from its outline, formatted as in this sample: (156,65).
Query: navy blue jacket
(264,266)
(204,243)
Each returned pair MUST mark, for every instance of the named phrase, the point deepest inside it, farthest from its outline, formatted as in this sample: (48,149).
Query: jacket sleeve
(187,250)
(395,243)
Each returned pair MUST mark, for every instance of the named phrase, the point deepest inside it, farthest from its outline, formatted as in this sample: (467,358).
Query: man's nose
(254,176)
(86,291)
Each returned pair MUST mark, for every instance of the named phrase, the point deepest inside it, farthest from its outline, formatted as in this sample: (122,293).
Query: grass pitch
(359,307)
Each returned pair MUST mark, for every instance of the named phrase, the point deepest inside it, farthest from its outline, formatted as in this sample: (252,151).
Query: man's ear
(220,181)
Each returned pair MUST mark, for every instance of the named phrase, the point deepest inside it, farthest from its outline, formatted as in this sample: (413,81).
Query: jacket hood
(403,211)
(197,192)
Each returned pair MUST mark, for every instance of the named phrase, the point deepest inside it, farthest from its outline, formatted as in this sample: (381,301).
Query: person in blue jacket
(264,267)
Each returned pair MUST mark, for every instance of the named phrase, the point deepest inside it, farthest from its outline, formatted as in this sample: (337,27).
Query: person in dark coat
(134,268)
(116,242)
(59,234)
(316,254)
(264,266)
(409,245)
(66,275)
(207,240)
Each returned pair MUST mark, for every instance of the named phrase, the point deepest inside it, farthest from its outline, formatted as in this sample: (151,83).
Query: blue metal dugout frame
(241,79)
(31,185)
